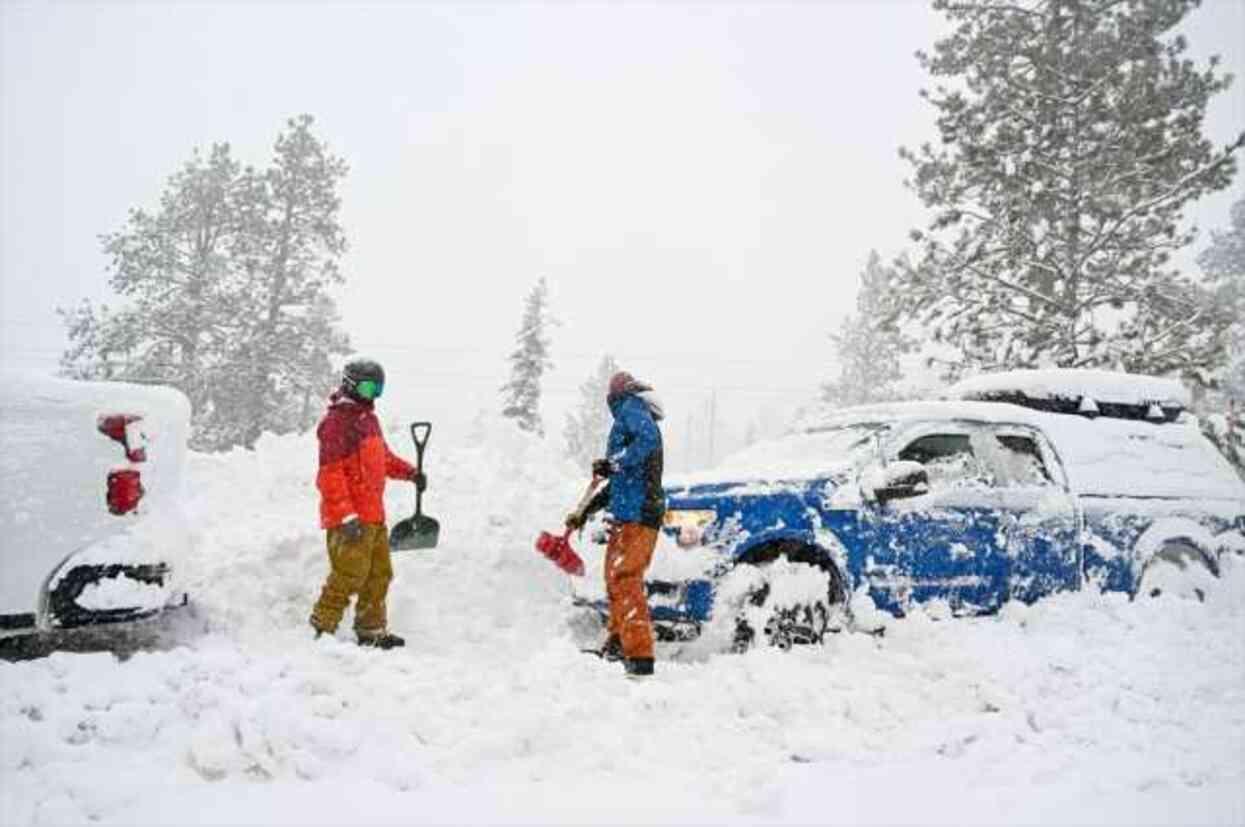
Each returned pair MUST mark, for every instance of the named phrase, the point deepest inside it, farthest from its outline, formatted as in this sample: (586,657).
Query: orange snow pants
(360,566)
(626,559)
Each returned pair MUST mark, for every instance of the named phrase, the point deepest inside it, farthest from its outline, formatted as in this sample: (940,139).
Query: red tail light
(119,428)
(125,489)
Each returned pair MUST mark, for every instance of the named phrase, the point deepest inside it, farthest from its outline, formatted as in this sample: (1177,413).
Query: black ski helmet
(362,370)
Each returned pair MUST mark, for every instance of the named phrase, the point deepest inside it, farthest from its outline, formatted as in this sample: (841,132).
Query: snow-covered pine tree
(528,363)
(1223,411)
(588,427)
(869,345)
(172,269)
(1223,262)
(297,243)
(223,292)
(1071,139)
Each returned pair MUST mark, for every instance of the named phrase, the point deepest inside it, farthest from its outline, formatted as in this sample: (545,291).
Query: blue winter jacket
(635,494)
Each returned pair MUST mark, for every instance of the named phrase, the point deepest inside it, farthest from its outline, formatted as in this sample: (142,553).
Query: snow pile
(122,593)
(263,557)
(1084,708)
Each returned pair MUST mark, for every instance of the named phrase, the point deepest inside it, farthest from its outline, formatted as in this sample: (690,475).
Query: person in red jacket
(354,464)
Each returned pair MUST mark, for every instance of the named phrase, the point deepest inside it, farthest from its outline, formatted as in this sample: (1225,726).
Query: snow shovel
(558,549)
(419,531)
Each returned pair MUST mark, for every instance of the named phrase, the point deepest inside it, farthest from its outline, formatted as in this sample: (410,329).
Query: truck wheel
(1179,569)
(790,624)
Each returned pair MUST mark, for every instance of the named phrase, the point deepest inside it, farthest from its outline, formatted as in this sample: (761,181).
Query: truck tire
(782,627)
(1179,569)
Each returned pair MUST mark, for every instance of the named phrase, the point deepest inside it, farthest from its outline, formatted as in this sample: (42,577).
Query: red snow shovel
(558,549)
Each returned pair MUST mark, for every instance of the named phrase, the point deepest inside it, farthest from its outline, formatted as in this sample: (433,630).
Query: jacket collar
(338,399)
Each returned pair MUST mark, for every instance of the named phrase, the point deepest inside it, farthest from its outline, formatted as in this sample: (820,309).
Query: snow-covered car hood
(829,454)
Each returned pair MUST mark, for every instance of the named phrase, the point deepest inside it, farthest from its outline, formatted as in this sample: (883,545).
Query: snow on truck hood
(819,454)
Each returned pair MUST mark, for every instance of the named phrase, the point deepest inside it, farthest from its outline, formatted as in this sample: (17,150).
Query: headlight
(690,524)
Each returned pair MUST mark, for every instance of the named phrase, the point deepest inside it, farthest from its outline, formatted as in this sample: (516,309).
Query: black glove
(420,480)
(574,521)
(602,468)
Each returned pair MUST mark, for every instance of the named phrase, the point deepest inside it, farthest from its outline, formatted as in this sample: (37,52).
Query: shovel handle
(420,431)
(587,497)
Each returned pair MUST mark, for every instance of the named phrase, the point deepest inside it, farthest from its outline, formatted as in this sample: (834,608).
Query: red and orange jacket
(354,462)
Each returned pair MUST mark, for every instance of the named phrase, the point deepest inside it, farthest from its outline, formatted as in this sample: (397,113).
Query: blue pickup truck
(1018,486)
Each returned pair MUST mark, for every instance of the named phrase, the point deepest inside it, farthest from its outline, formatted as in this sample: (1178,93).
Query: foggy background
(700,184)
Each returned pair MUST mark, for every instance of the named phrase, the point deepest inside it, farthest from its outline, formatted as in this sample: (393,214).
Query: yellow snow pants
(358,566)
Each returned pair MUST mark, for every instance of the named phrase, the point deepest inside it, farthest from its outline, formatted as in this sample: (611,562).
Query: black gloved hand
(602,468)
(574,521)
(421,481)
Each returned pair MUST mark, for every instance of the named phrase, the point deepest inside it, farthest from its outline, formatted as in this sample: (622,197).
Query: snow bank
(1084,708)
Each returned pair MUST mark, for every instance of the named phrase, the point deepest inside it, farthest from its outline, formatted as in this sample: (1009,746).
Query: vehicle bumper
(677,609)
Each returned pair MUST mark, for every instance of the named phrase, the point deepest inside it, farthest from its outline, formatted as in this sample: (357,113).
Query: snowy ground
(1082,709)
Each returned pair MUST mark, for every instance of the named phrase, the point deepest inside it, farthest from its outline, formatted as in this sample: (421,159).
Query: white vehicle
(91,523)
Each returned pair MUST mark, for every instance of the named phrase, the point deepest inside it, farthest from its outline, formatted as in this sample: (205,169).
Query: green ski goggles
(369,389)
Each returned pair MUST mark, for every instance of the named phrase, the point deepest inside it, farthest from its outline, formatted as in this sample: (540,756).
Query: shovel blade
(559,551)
(413,533)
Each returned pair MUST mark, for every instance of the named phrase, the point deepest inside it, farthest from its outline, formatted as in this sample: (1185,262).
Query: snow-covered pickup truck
(1017,486)
(90,521)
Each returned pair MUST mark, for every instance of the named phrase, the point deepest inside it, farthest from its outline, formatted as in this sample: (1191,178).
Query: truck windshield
(821,450)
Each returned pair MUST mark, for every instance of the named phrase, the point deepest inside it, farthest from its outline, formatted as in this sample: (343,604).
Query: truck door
(1039,514)
(943,543)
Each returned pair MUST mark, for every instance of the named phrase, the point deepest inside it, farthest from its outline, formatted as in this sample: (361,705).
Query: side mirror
(897,481)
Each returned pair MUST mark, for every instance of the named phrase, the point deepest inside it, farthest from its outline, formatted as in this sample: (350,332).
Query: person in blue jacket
(636,504)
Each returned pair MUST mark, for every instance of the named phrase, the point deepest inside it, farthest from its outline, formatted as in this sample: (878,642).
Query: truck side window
(948,459)
(1022,461)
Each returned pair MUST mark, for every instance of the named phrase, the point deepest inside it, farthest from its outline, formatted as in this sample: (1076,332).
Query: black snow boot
(638,667)
(383,640)
(611,651)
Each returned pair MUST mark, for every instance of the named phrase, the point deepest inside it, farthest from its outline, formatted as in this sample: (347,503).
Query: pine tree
(1223,262)
(297,244)
(868,344)
(588,427)
(171,269)
(528,363)
(1222,413)
(1071,139)
(223,292)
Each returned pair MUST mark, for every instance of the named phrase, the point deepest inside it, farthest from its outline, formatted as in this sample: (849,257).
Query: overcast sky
(700,183)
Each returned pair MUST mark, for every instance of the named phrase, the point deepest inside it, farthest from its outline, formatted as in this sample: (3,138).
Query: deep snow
(1084,708)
